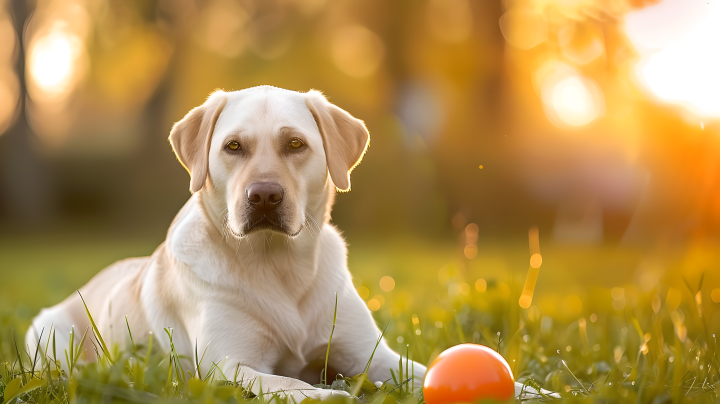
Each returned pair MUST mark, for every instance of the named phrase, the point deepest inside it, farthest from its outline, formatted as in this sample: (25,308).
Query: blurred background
(593,122)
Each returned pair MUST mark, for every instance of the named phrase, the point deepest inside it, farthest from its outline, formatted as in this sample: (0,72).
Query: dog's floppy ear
(190,138)
(345,138)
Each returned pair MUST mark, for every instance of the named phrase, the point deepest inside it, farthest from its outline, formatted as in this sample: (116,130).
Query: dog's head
(265,154)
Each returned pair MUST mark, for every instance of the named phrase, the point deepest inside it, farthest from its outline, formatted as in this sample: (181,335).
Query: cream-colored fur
(262,299)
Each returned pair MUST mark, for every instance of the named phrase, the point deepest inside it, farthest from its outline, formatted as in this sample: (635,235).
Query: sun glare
(54,63)
(573,102)
(569,99)
(51,61)
(681,68)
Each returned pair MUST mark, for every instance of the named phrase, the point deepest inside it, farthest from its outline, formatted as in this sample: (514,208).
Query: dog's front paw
(523,392)
(319,394)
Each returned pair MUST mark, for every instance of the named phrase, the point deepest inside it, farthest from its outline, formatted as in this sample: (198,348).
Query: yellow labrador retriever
(251,264)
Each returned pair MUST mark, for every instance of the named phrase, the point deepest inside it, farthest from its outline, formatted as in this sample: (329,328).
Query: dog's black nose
(265,195)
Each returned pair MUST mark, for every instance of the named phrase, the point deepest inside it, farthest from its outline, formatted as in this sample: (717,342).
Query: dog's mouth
(266,222)
(263,223)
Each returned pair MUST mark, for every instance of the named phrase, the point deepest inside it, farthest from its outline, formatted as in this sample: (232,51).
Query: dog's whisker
(310,220)
(309,228)
(251,246)
(313,220)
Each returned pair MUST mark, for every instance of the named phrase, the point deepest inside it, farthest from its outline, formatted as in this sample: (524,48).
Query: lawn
(605,324)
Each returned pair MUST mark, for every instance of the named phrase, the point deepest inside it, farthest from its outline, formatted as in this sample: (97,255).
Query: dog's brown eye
(233,145)
(296,143)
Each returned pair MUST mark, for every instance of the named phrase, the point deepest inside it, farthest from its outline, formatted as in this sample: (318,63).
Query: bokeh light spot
(363,292)
(573,102)
(373,305)
(715,295)
(8,101)
(617,354)
(680,53)
(357,51)
(464,288)
(472,230)
(655,303)
(536,260)
(387,283)
(51,60)
(470,251)
(481,285)
(525,301)
(523,28)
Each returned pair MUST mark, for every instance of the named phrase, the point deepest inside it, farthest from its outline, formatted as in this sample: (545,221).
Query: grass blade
(367,367)
(105,349)
(37,348)
(132,341)
(19,358)
(327,352)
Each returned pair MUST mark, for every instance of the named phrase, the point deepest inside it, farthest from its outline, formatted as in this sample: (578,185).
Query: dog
(251,266)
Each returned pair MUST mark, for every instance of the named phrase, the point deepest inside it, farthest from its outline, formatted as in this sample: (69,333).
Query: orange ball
(468,373)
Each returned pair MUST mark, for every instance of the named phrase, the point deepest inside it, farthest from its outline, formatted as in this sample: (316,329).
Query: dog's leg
(529,393)
(354,341)
(269,385)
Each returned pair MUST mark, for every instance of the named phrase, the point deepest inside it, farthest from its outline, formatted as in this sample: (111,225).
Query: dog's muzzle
(265,200)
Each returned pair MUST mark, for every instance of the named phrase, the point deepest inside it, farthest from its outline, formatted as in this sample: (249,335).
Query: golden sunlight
(357,51)
(9,87)
(568,98)
(573,100)
(51,61)
(680,53)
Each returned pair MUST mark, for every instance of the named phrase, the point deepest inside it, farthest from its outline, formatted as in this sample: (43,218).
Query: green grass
(650,340)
